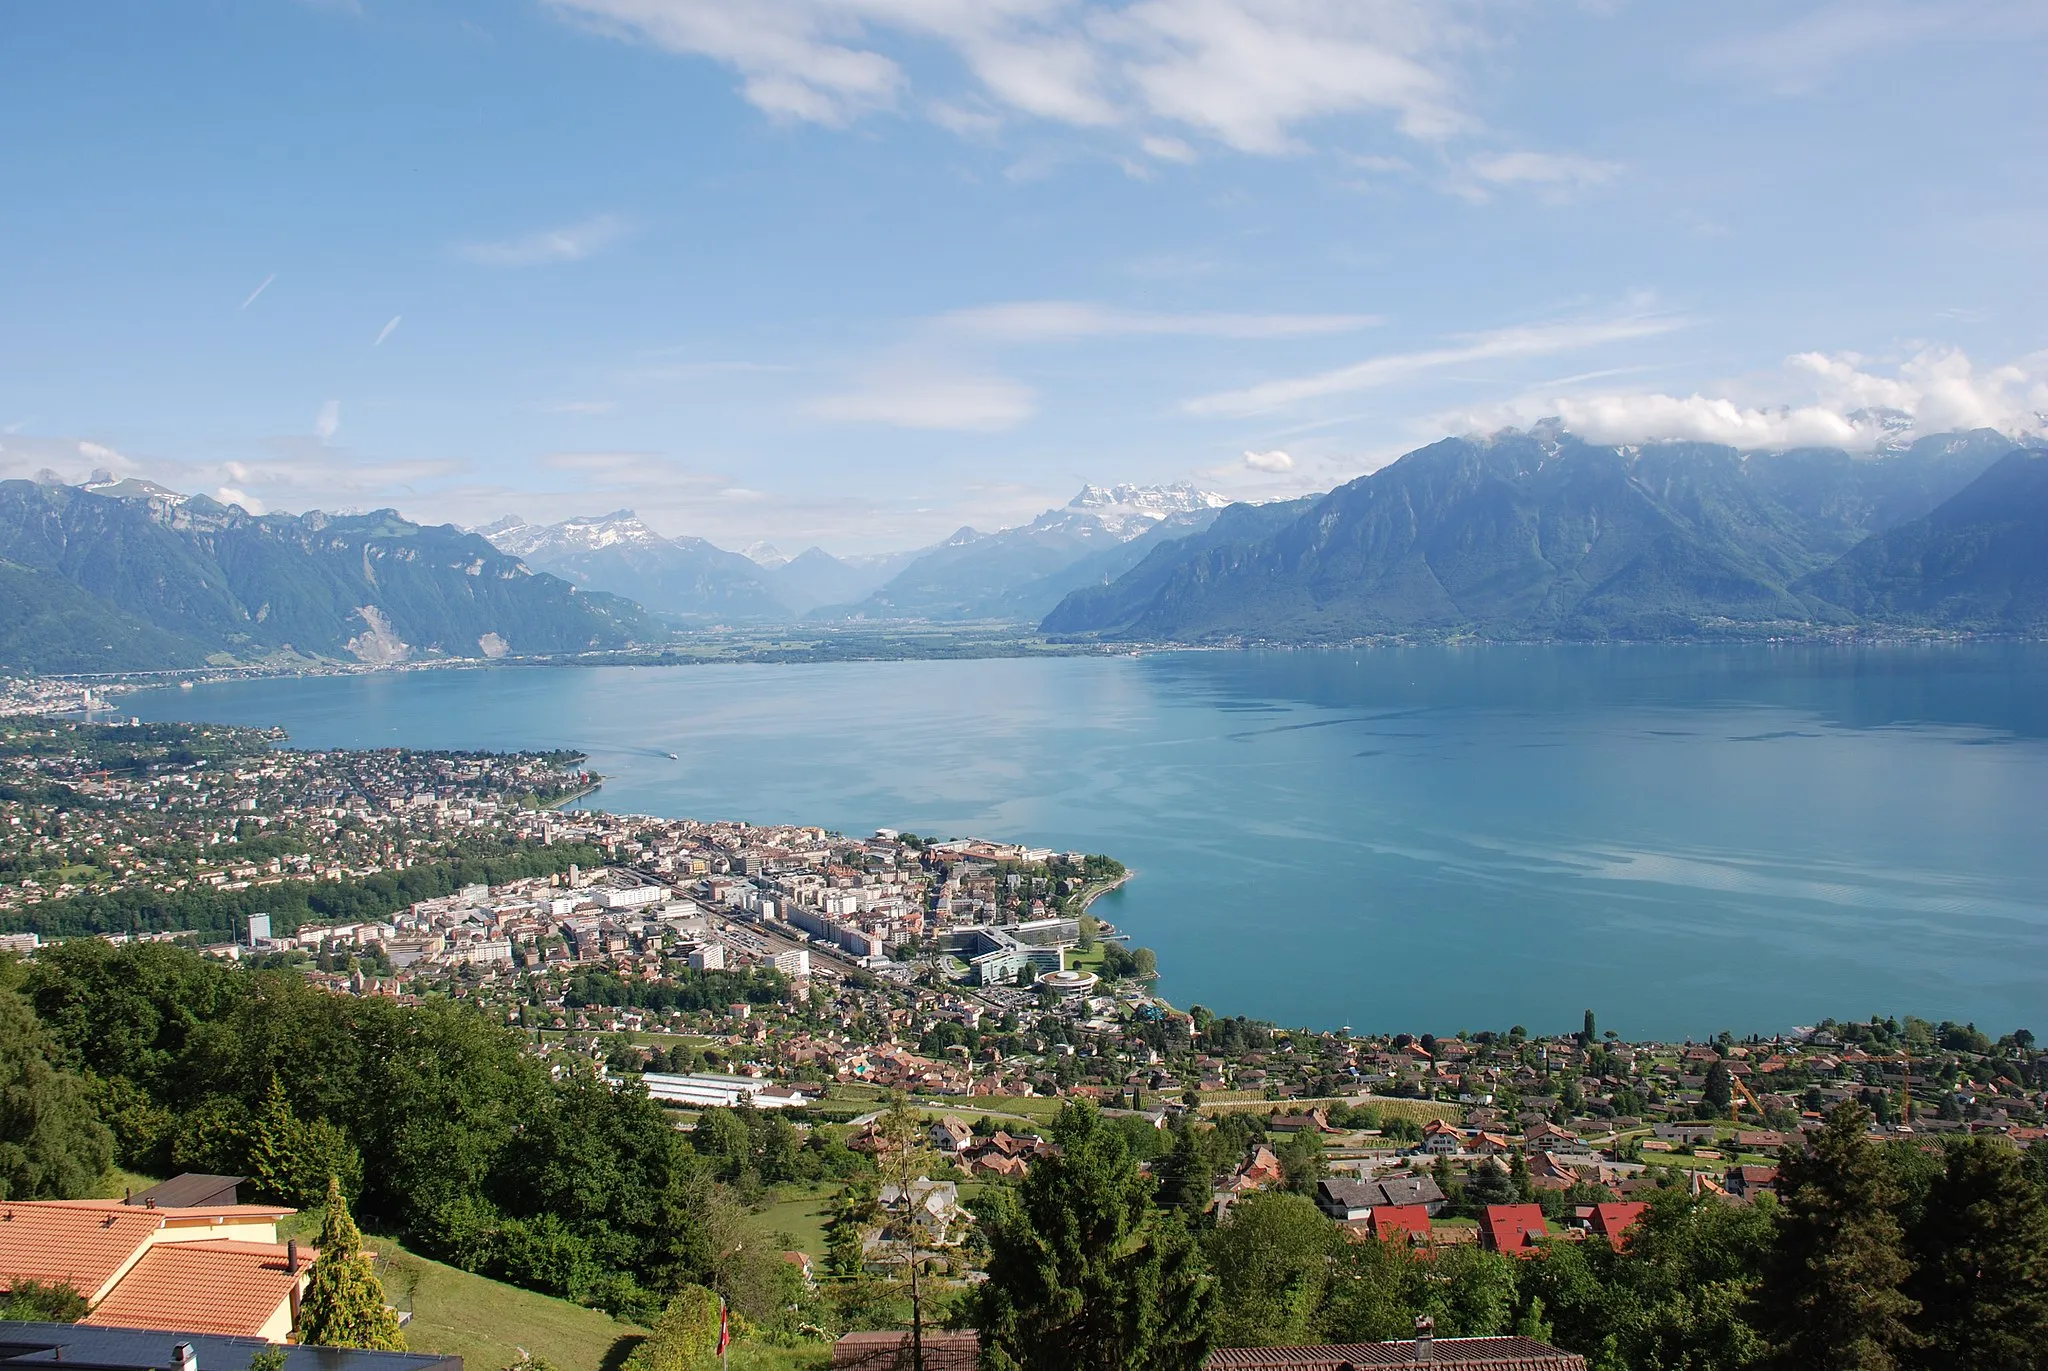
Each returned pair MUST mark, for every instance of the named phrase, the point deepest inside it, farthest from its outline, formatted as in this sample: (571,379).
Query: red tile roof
(83,1246)
(1391,1220)
(891,1351)
(203,1287)
(1612,1221)
(1511,1227)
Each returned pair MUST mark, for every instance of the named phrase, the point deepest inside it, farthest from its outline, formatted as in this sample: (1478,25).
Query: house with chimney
(199,1268)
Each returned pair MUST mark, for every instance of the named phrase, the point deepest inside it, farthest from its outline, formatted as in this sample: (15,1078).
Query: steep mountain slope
(214,579)
(617,553)
(1021,573)
(1534,535)
(1112,605)
(815,577)
(1979,561)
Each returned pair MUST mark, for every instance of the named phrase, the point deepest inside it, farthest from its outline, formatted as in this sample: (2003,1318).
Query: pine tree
(1981,1263)
(1084,1273)
(344,1302)
(1831,1300)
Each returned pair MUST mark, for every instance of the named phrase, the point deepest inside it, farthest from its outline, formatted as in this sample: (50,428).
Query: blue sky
(858,272)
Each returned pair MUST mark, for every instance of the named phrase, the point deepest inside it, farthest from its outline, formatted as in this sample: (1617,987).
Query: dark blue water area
(1684,839)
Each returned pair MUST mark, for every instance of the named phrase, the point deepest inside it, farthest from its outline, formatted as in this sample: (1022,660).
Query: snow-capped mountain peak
(582,533)
(765,555)
(1124,511)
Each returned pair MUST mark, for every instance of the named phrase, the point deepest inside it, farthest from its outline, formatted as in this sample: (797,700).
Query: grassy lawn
(801,1211)
(486,1322)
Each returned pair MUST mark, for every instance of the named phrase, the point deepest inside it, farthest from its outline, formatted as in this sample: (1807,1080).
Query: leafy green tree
(1303,1161)
(1980,1254)
(1271,1256)
(1831,1299)
(52,1143)
(344,1301)
(33,1301)
(1084,1274)
(685,1337)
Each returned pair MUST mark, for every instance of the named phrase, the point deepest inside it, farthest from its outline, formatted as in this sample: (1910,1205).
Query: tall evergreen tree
(344,1302)
(1980,1252)
(52,1144)
(1084,1273)
(1832,1299)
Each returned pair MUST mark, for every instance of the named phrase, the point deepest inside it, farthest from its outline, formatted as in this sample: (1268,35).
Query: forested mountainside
(97,582)
(1543,536)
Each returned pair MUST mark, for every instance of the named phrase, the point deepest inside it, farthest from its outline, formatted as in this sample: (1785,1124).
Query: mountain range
(120,576)
(1540,535)
(1023,572)
(689,579)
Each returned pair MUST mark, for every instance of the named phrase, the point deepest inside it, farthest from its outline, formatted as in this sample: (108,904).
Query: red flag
(724,1327)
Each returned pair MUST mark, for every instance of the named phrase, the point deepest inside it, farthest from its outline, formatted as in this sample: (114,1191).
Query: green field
(801,1212)
(485,1322)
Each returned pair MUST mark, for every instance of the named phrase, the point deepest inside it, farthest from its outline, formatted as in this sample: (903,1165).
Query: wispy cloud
(259,290)
(1542,169)
(571,243)
(327,422)
(1274,461)
(1246,73)
(1533,340)
(912,396)
(1807,46)
(387,330)
(1041,321)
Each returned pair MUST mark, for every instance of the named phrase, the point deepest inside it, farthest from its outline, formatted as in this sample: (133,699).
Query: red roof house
(1513,1228)
(1612,1221)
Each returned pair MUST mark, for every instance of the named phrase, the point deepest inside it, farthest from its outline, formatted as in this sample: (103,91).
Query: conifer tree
(1981,1263)
(1084,1273)
(344,1302)
(1832,1299)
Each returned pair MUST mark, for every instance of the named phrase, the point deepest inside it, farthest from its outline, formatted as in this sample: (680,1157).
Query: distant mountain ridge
(1023,572)
(1540,535)
(687,578)
(127,576)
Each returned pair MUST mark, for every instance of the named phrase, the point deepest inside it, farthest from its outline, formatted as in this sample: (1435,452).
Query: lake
(1683,839)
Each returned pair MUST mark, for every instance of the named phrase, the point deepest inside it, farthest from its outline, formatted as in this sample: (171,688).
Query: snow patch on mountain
(584,533)
(1125,511)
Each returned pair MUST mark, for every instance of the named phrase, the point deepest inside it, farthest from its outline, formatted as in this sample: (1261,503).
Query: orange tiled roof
(203,1287)
(82,1245)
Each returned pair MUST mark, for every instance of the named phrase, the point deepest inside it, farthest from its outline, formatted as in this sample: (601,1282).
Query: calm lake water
(1683,839)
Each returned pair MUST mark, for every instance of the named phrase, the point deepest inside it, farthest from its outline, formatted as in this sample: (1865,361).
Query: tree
(1588,1036)
(1144,963)
(344,1302)
(1084,1273)
(1831,1298)
(1980,1253)
(1303,1161)
(685,1337)
(52,1144)
(1271,1257)
(1720,1088)
(289,1159)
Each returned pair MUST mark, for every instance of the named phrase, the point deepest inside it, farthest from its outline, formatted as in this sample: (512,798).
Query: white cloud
(1535,340)
(259,290)
(1045,321)
(228,495)
(1938,389)
(1543,169)
(1274,461)
(387,330)
(1168,149)
(912,398)
(1246,73)
(571,243)
(328,422)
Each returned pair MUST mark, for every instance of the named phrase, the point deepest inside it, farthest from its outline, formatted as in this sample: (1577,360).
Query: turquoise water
(1684,839)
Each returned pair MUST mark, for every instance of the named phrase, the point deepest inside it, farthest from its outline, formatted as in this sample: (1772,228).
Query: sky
(860,272)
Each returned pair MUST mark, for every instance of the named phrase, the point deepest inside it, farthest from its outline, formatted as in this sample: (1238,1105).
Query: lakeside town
(792,1000)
